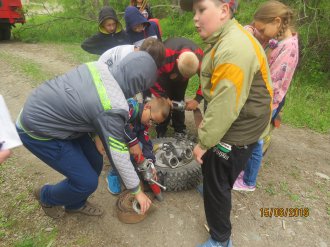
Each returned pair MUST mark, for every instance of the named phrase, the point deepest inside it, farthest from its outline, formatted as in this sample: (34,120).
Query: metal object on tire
(187,174)
(125,211)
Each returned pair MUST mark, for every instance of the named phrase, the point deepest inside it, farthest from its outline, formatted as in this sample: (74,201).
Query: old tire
(185,177)
(5,32)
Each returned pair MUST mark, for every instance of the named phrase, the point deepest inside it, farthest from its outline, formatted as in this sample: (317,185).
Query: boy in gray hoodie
(59,115)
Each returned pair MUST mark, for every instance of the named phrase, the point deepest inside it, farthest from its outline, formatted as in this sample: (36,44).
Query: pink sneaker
(241,175)
(239,185)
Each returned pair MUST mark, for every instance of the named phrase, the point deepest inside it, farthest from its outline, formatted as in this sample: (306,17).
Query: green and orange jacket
(236,84)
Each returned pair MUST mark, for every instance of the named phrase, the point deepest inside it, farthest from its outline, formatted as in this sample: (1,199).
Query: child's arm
(91,45)
(147,147)
(283,62)
(99,145)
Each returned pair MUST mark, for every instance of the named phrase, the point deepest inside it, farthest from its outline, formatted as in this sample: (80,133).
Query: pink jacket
(282,62)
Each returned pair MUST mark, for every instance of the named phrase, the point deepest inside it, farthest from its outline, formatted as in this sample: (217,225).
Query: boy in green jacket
(236,84)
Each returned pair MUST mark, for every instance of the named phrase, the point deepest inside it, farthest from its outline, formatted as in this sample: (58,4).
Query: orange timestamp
(284,212)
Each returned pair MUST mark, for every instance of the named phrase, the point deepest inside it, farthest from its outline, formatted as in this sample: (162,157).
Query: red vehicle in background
(11,12)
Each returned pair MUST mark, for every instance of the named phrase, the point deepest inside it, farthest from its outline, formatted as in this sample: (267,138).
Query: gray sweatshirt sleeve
(110,126)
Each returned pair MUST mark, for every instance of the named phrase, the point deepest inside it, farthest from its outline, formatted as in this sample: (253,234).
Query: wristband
(136,192)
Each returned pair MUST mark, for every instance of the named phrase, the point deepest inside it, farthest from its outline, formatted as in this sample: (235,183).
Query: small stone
(171,216)
(49,229)
(321,175)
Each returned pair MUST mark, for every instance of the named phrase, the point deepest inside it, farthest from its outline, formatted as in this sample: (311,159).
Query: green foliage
(307,104)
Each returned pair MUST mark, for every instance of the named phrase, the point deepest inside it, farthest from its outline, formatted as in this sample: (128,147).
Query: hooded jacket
(102,41)
(90,98)
(133,17)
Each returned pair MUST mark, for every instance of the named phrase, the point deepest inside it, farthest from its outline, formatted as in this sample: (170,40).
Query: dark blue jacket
(133,17)
(136,132)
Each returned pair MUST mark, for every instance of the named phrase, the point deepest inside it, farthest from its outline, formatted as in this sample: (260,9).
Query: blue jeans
(76,159)
(252,168)
(253,165)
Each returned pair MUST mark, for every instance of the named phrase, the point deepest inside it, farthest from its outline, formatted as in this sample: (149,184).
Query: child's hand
(4,154)
(136,151)
(191,105)
(99,145)
(144,201)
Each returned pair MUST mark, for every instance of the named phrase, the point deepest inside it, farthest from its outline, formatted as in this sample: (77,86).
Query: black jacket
(103,41)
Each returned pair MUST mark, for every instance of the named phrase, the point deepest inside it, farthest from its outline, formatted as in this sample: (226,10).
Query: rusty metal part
(125,210)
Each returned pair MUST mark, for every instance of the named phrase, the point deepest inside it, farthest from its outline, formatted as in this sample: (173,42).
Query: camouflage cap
(188,4)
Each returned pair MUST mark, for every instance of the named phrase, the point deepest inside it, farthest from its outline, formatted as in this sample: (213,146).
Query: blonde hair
(188,63)
(268,11)
(160,105)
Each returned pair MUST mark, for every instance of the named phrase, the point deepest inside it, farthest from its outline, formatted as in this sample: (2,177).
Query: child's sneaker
(113,182)
(212,243)
(241,175)
(239,185)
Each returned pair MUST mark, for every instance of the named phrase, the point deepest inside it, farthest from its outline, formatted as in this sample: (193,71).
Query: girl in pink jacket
(273,27)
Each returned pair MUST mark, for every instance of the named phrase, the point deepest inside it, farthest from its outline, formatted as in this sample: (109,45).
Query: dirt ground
(295,174)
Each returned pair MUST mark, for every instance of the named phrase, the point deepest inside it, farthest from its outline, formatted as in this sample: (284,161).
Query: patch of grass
(271,189)
(308,105)
(6,222)
(294,197)
(78,55)
(295,173)
(284,187)
(27,67)
(40,239)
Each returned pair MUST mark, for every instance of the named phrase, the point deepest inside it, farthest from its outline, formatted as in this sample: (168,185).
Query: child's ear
(278,21)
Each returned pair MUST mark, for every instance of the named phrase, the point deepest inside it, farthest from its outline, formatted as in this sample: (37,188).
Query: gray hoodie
(90,98)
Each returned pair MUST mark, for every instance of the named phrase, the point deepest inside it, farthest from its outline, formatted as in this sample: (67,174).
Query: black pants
(220,171)
(175,90)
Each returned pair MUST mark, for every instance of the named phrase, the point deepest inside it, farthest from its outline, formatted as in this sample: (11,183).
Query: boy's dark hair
(155,48)
(160,105)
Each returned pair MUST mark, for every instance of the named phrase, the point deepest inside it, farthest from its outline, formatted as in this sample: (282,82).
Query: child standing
(141,117)
(143,7)
(138,27)
(273,26)
(110,33)
(236,84)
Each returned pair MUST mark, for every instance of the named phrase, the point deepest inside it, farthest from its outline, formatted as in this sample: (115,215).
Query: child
(236,84)
(138,27)
(141,117)
(273,26)
(153,46)
(143,7)
(59,115)
(182,61)
(111,33)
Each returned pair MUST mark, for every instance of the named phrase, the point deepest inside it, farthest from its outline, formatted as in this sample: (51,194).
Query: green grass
(26,67)
(77,54)
(40,239)
(307,105)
